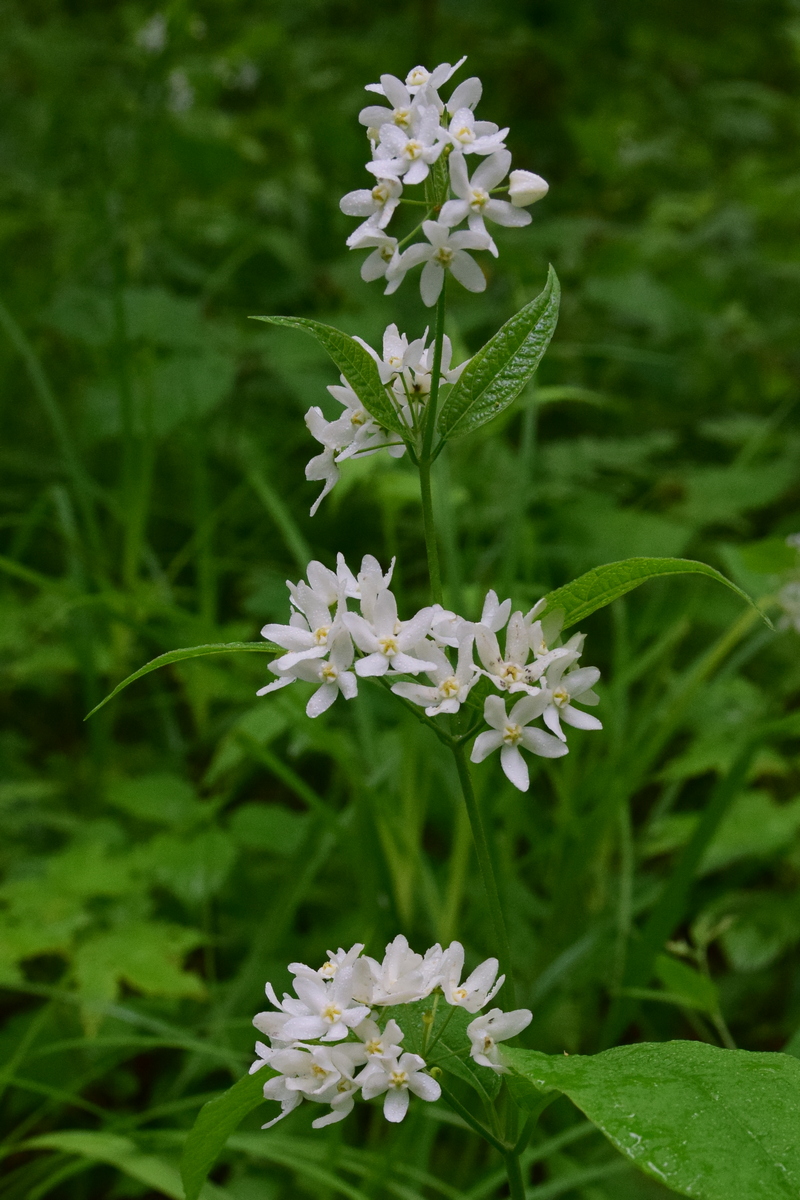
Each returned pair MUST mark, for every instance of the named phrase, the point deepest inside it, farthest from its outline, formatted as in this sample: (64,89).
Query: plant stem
(516,1184)
(425,459)
(487,872)
(468,1118)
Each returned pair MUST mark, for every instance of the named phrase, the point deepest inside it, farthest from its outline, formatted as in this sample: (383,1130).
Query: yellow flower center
(380,193)
(386,253)
(331,1013)
(328,970)
(413,149)
(320,635)
(402,117)
(417,77)
(460,993)
(511,672)
(561,697)
(511,733)
(329,673)
(444,256)
(398,1079)
(319,1071)
(465,135)
(373,1046)
(488,1044)
(387,646)
(479,197)
(449,688)
(358,417)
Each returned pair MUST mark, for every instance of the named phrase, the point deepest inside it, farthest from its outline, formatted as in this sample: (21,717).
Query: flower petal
(515,767)
(485,743)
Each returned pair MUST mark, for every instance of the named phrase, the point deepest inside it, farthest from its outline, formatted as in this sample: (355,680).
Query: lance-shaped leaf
(601,585)
(357,366)
(173,656)
(709,1123)
(215,1122)
(498,372)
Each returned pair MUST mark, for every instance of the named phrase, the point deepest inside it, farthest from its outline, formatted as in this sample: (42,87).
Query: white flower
(383,1043)
(450,687)
(386,641)
(322,467)
(475,201)
(448,628)
(409,153)
(152,36)
(524,188)
(402,977)
(321,1010)
(310,631)
(475,991)
(336,959)
(495,1026)
(384,257)
(405,107)
(563,689)
(369,582)
(312,1072)
(494,614)
(398,1077)
(509,672)
(420,77)
(341,1094)
(376,204)
(474,137)
(509,732)
(333,675)
(446,252)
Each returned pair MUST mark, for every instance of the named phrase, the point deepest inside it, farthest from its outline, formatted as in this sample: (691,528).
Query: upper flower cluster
(405,370)
(328,644)
(417,137)
(337,1022)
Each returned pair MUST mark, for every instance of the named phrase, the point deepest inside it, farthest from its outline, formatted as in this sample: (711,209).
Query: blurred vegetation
(163,174)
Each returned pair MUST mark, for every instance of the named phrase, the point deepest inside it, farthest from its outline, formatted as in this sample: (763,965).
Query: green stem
(516,1184)
(467,1116)
(487,873)
(426,459)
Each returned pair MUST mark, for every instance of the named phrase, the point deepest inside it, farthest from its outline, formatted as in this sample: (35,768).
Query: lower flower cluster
(328,644)
(339,1034)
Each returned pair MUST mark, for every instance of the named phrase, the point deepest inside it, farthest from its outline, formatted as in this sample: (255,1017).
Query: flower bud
(525,188)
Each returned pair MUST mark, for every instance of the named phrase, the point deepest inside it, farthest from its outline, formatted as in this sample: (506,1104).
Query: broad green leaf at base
(598,587)
(215,1122)
(708,1123)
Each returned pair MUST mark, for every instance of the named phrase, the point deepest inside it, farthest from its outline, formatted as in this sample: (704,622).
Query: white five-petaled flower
(387,641)
(385,1043)
(384,257)
(562,689)
(409,153)
(335,960)
(405,107)
(450,686)
(474,137)
(508,672)
(398,1077)
(478,989)
(525,187)
(420,77)
(446,251)
(321,1009)
(475,202)
(402,977)
(510,732)
(375,204)
(310,1072)
(490,1028)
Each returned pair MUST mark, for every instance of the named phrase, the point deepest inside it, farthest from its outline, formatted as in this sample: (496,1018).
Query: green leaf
(499,371)
(122,1153)
(709,1123)
(601,585)
(357,366)
(215,1122)
(173,656)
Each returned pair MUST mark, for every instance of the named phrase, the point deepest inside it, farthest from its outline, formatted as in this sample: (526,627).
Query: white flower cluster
(405,370)
(336,1022)
(323,636)
(411,135)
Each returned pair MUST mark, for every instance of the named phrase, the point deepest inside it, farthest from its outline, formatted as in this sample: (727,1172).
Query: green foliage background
(162,861)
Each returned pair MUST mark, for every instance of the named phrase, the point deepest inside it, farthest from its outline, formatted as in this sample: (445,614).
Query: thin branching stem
(426,459)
